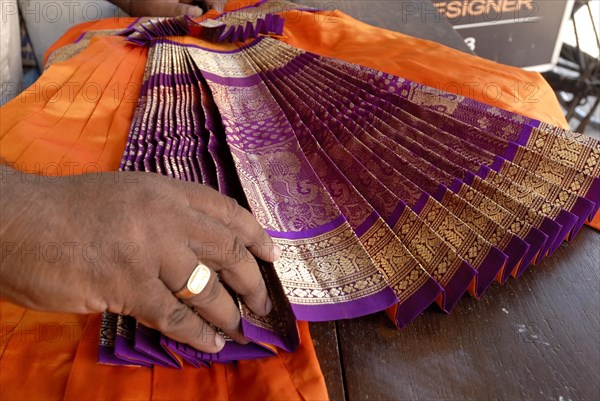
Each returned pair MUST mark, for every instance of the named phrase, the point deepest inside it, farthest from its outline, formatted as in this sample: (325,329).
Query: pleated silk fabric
(383,193)
(485,196)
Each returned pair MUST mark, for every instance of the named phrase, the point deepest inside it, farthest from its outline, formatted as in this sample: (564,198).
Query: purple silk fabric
(432,195)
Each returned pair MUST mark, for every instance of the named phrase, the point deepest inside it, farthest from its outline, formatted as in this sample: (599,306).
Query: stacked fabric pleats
(384,194)
(149,29)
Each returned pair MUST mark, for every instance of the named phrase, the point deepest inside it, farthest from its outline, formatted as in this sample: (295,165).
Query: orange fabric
(283,377)
(595,223)
(58,352)
(190,384)
(283,387)
(76,118)
(10,317)
(335,34)
(73,34)
(39,355)
(309,382)
(89,380)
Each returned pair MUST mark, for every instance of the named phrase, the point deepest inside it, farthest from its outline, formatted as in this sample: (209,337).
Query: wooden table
(535,338)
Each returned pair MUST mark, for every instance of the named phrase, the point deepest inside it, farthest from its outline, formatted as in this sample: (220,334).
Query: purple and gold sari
(384,194)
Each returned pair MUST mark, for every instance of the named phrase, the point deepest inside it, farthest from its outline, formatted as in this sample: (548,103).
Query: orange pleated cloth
(75,119)
(49,356)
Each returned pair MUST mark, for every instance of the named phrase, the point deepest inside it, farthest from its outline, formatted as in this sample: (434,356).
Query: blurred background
(576,77)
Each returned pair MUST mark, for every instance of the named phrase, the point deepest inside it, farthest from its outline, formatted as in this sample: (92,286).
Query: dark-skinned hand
(125,243)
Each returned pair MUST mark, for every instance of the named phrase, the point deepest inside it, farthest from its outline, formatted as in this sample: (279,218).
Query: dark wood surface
(533,338)
(326,341)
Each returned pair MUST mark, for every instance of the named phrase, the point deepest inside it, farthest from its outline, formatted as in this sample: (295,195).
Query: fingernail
(276,252)
(219,342)
(268,306)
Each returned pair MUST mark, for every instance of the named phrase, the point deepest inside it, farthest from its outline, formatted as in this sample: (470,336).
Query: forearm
(12,184)
(30,268)
(15,189)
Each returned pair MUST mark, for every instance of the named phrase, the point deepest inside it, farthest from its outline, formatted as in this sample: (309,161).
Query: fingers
(224,236)
(163,8)
(222,250)
(253,236)
(158,308)
(226,210)
(213,303)
(189,10)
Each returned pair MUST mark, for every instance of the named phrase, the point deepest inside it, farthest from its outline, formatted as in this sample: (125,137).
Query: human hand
(124,243)
(159,8)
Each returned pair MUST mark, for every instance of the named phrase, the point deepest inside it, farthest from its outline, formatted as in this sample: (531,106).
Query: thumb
(162,8)
(189,10)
